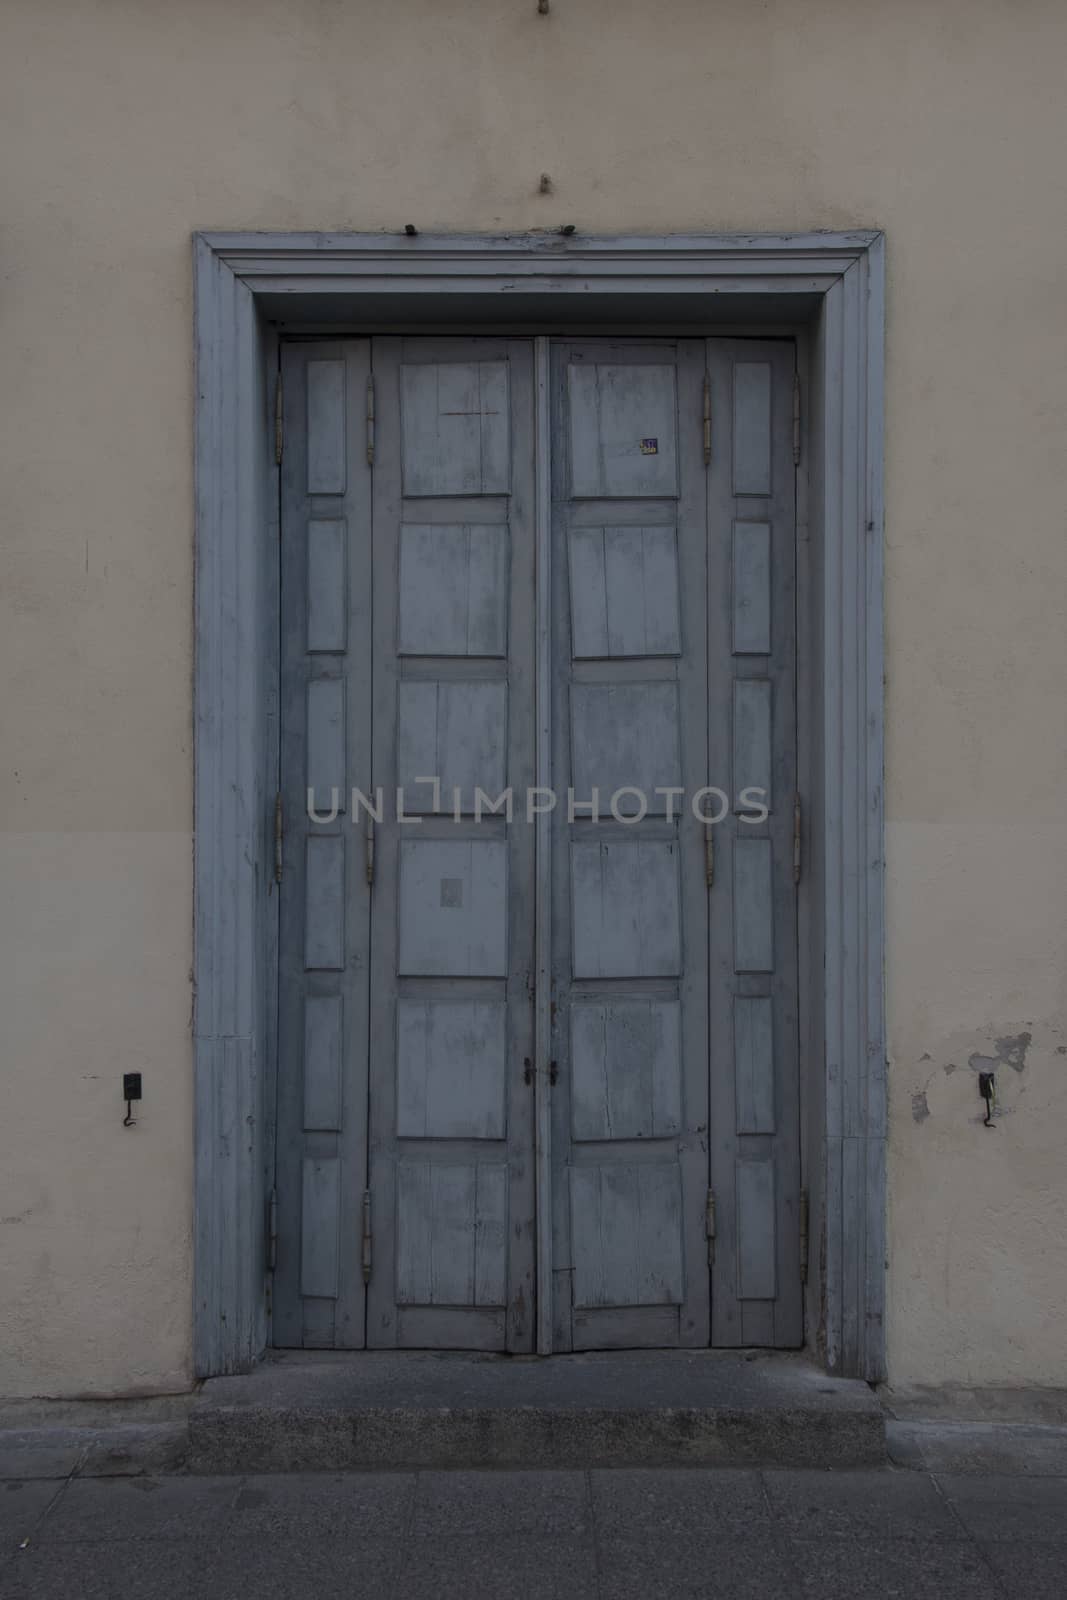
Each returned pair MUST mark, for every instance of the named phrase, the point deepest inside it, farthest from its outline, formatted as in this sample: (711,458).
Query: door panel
(453,589)
(622,425)
(451,1012)
(755,1146)
(626,1069)
(630,912)
(449,1082)
(624,592)
(625,743)
(455,426)
(321,1161)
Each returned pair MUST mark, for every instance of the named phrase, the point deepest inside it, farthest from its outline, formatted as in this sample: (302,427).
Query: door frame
(825,289)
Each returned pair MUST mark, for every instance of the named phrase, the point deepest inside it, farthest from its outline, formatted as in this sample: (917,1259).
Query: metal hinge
(365,1245)
(709,1226)
(803,1236)
(279,426)
(709,856)
(707,420)
(370,419)
(796,838)
(369,837)
(279,826)
(796,419)
(272,1230)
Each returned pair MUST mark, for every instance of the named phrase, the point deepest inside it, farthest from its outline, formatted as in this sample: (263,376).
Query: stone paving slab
(510,1505)
(894,1569)
(93,1449)
(242,1567)
(997,1508)
(698,1568)
(987,1402)
(324,1505)
(1028,1571)
(21,1507)
(1036,1449)
(128,1509)
(685,1534)
(41,1452)
(680,1504)
(516,1568)
(105,1571)
(861,1505)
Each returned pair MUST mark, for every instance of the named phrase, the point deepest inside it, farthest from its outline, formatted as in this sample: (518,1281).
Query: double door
(523,584)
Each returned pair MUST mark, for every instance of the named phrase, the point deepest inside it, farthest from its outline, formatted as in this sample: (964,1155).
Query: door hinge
(369,837)
(796,419)
(365,1245)
(707,420)
(279,826)
(709,1226)
(709,855)
(796,838)
(279,425)
(803,1236)
(272,1230)
(370,419)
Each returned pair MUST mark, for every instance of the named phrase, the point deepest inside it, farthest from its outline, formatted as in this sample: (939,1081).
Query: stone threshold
(330,1411)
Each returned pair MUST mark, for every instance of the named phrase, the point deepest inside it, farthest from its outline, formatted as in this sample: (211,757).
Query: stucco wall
(128,125)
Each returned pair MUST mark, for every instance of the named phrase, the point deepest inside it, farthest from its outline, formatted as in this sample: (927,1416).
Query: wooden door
(630,934)
(675,1115)
(752,737)
(405,1170)
(451,1016)
(324,951)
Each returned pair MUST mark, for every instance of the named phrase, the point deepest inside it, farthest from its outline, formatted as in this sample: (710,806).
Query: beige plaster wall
(129,123)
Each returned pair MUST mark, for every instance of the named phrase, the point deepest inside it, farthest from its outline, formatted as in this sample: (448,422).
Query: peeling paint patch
(920,1108)
(1012,1050)
(949,1068)
(978,1063)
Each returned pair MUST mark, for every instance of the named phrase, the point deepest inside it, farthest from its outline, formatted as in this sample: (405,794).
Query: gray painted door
(452,1177)
(630,925)
(405,1169)
(324,951)
(675,1117)
(752,723)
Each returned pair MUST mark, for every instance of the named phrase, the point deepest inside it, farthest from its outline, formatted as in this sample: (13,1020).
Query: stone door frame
(826,290)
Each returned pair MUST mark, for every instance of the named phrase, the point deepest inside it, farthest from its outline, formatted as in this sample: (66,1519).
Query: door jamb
(240,279)
(543,843)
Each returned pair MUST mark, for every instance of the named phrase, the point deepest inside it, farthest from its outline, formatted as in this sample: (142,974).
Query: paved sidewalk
(650,1534)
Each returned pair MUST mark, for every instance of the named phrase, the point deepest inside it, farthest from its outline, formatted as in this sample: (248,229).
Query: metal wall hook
(131,1091)
(987,1088)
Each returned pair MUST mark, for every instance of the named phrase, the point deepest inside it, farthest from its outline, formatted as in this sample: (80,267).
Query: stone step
(372,1410)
